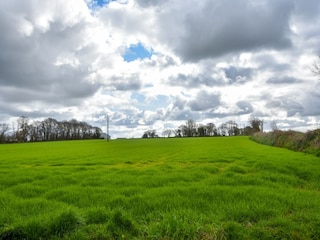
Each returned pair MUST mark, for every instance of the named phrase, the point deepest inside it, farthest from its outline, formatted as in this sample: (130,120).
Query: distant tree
(65,127)
(223,129)
(211,129)
(232,128)
(202,130)
(177,132)
(190,129)
(150,134)
(4,127)
(248,131)
(49,129)
(85,130)
(35,131)
(167,133)
(274,126)
(183,130)
(256,124)
(97,132)
(22,129)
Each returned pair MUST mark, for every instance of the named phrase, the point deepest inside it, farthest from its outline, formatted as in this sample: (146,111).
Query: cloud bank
(211,61)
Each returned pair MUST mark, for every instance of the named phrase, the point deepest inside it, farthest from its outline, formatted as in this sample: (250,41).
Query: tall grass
(199,188)
(308,142)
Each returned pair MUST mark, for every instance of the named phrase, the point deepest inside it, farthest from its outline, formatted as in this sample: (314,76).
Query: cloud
(151,3)
(209,60)
(245,107)
(196,80)
(289,104)
(210,29)
(311,101)
(125,83)
(283,80)
(238,75)
(204,101)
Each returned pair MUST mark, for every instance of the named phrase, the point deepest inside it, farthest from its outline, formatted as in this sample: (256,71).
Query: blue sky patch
(136,51)
(99,3)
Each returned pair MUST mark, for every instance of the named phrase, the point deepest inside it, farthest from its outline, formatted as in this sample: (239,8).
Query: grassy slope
(197,188)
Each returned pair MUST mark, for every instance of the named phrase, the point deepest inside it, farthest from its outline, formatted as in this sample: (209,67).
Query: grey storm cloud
(195,80)
(182,115)
(29,57)
(205,101)
(268,62)
(287,103)
(127,117)
(293,108)
(245,107)
(213,28)
(125,82)
(238,75)
(283,80)
(311,102)
(151,3)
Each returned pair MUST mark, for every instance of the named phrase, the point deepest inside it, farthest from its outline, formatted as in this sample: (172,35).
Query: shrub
(297,141)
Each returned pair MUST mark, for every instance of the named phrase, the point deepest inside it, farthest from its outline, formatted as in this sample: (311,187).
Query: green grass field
(191,188)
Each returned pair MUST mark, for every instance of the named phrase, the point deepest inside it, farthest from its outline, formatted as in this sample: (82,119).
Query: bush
(297,141)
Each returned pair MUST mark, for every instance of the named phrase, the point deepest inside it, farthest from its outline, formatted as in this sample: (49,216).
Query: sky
(151,64)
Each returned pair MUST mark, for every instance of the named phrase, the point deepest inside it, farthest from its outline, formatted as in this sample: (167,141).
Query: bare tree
(233,129)
(274,126)
(167,133)
(23,129)
(256,124)
(35,131)
(223,129)
(3,129)
(190,128)
(202,130)
(97,132)
(211,129)
(177,132)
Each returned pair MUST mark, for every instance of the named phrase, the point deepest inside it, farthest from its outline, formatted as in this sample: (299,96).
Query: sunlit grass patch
(196,188)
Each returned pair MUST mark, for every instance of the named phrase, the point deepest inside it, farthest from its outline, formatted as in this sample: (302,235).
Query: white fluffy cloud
(212,61)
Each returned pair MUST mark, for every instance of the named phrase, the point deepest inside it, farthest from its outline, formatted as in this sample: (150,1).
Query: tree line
(48,129)
(192,129)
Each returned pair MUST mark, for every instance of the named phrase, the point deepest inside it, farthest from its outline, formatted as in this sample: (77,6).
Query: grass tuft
(66,222)
(120,225)
(97,216)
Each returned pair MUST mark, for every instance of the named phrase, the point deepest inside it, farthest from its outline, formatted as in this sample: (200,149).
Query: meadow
(190,188)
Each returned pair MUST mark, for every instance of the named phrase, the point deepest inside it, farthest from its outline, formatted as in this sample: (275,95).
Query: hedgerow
(308,142)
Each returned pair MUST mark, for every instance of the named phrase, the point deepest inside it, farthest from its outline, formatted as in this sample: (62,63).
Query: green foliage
(303,142)
(192,188)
